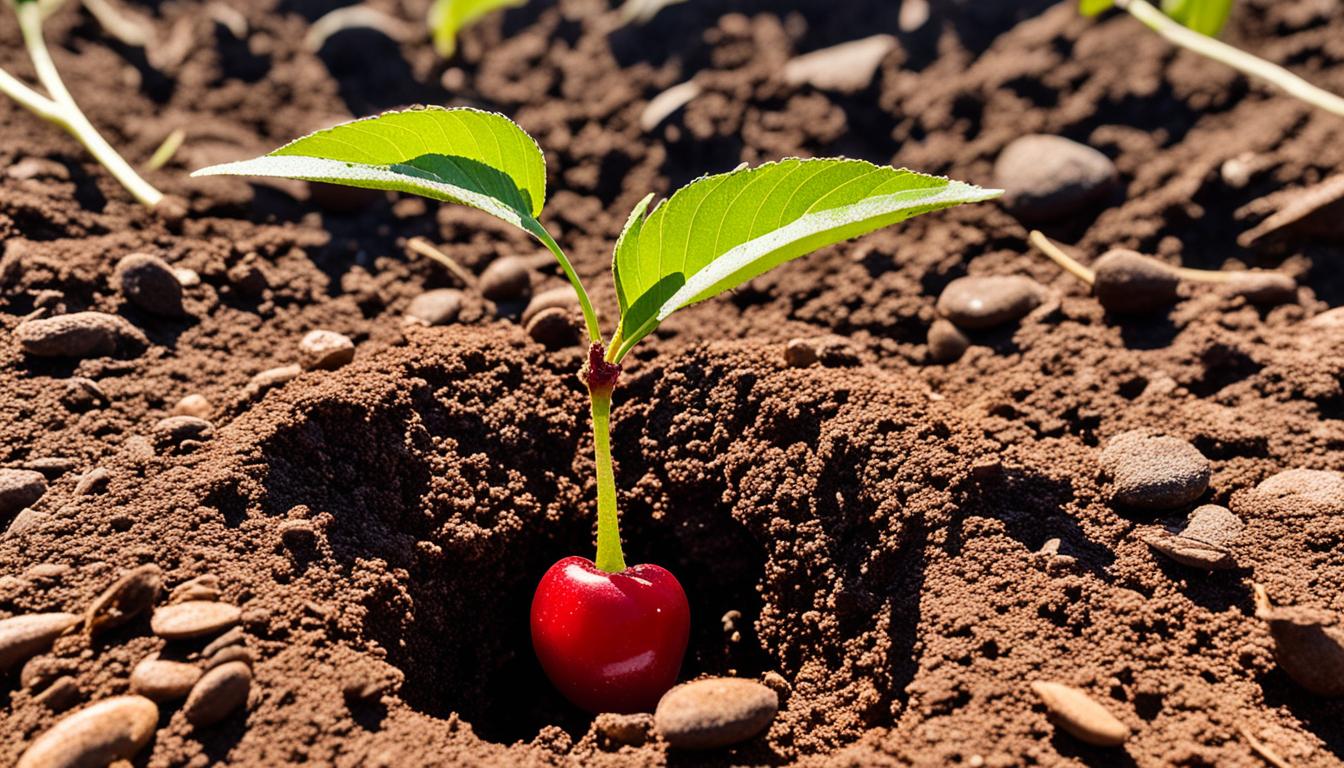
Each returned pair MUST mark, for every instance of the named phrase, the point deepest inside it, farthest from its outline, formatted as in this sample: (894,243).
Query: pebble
(218,693)
(325,351)
(128,597)
(1308,644)
(297,534)
(553,328)
(232,637)
(148,283)
(20,488)
(634,730)
(230,654)
(946,342)
(562,297)
(30,634)
(270,378)
(93,481)
(988,301)
(1154,472)
(1262,288)
(506,279)
(25,521)
(1315,486)
(248,278)
(83,394)
(110,730)
(1213,524)
(193,405)
(62,694)
(204,588)
(1081,715)
(1128,283)
(799,353)
(78,335)
(847,67)
(193,618)
(1191,552)
(715,712)
(163,680)
(189,278)
(440,306)
(50,466)
(1050,177)
(1317,211)
(176,430)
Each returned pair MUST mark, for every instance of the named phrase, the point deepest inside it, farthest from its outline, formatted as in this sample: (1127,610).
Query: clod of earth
(30,634)
(1081,715)
(1213,524)
(1154,472)
(715,712)
(634,730)
(1050,177)
(830,350)
(1314,212)
(1192,552)
(193,618)
(228,655)
(1314,486)
(163,680)
(78,335)
(20,488)
(25,521)
(323,350)
(1263,288)
(1308,643)
(83,394)
(946,342)
(437,307)
(978,303)
(103,733)
(62,694)
(218,694)
(128,597)
(149,283)
(40,671)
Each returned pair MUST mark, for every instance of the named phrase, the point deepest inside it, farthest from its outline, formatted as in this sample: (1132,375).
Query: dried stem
(1061,258)
(423,247)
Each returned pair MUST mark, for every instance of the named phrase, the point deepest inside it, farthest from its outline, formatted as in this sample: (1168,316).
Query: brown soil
(877,525)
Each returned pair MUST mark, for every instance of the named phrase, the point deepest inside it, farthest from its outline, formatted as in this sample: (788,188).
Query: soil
(879,525)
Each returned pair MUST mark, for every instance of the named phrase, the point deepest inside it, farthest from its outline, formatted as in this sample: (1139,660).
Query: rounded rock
(193,405)
(800,353)
(218,693)
(1129,283)
(440,306)
(988,301)
(30,634)
(506,279)
(1314,486)
(562,297)
(325,351)
(1081,715)
(946,342)
(553,328)
(1154,472)
(715,712)
(78,335)
(175,430)
(110,730)
(128,597)
(163,680)
(1050,177)
(148,283)
(20,488)
(193,618)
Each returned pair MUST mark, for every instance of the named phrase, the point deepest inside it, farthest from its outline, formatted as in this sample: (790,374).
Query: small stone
(50,466)
(1129,283)
(176,430)
(62,694)
(848,67)
(248,278)
(553,328)
(1213,524)
(93,481)
(1308,644)
(1263,288)
(188,278)
(1314,212)
(82,394)
(325,351)
(562,297)
(666,104)
(203,588)
(26,520)
(633,730)
(128,597)
(1051,177)
(1081,715)
(20,488)
(1236,171)
(800,353)
(99,734)
(234,636)
(506,279)
(985,302)
(79,335)
(230,654)
(1314,486)
(193,618)
(297,534)
(269,379)
(946,342)
(30,634)
(218,693)
(148,283)
(1191,552)
(440,306)
(193,405)
(715,712)
(1154,472)
(163,680)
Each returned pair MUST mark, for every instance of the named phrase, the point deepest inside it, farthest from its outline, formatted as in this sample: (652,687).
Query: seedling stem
(61,109)
(601,377)
(1239,60)
(1061,258)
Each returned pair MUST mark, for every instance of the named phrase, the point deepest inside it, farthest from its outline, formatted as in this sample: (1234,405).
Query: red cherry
(610,642)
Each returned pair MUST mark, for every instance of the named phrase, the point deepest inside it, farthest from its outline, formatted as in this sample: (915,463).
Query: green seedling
(1193,24)
(448,17)
(711,236)
(59,106)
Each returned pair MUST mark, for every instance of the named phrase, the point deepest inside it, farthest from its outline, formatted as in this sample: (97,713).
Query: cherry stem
(601,377)
(1061,258)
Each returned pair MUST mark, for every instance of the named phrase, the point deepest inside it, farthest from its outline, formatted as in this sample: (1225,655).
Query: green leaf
(1206,17)
(465,156)
(448,17)
(720,231)
(1094,7)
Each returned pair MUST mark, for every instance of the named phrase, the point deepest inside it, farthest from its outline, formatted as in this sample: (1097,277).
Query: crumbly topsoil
(877,526)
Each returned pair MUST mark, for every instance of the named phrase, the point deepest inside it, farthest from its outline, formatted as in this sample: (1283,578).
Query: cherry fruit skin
(610,642)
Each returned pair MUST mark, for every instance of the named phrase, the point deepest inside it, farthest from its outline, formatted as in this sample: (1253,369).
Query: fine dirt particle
(112,729)
(24,636)
(634,730)
(162,680)
(1129,283)
(322,350)
(715,712)
(20,488)
(508,278)
(1050,177)
(553,328)
(1308,644)
(985,302)
(946,342)
(193,618)
(1081,715)
(78,335)
(149,283)
(128,597)
(218,694)
(193,405)
(1153,472)
(437,307)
